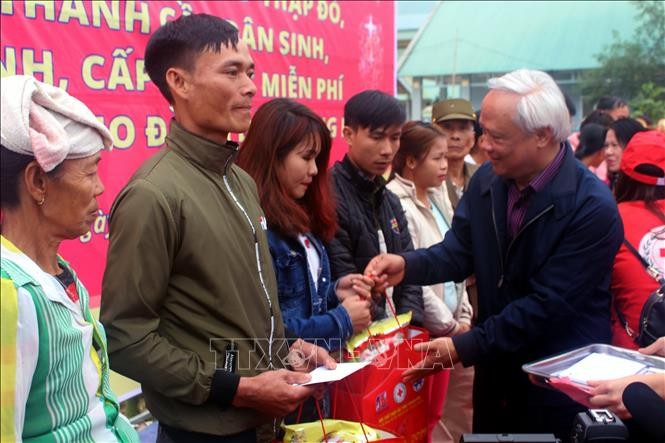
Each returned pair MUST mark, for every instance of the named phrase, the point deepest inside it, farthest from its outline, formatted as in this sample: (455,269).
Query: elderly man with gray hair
(540,232)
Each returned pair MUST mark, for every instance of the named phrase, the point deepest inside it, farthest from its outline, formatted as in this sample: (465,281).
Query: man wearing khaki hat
(456,117)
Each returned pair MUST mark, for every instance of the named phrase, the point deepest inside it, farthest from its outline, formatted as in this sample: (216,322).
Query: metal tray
(541,370)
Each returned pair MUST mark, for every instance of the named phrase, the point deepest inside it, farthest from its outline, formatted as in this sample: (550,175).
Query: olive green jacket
(182,283)
(469,170)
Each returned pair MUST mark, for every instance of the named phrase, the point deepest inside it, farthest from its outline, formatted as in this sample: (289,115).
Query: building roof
(501,36)
(412,14)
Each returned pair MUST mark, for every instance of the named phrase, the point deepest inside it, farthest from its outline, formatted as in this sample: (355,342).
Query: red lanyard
(71,290)
(72,293)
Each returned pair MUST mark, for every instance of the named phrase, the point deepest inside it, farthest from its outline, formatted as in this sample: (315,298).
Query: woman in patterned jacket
(55,369)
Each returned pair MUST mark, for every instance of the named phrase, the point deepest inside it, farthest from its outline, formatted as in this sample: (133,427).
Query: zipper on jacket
(504,258)
(529,223)
(258,260)
(377,225)
(375,216)
(498,239)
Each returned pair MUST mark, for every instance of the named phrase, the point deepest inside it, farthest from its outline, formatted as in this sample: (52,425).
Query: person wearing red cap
(640,192)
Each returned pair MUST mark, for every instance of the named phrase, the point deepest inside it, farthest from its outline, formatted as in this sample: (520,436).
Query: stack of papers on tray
(571,371)
(597,366)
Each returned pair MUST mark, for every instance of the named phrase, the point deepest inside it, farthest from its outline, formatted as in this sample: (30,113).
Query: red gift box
(377,395)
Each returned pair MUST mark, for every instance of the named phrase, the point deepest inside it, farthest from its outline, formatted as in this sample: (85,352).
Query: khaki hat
(453,109)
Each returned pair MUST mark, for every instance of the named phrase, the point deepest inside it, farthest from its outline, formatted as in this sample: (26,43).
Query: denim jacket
(308,312)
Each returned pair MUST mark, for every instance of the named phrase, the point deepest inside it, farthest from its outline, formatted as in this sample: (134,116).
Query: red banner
(317,52)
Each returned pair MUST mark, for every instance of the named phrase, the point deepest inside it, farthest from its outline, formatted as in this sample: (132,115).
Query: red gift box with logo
(376,394)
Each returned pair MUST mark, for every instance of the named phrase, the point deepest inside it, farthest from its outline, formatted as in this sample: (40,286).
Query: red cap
(647,147)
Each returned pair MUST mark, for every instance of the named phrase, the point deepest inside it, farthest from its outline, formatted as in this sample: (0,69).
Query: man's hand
(354,284)
(386,270)
(305,357)
(273,392)
(359,312)
(655,348)
(441,354)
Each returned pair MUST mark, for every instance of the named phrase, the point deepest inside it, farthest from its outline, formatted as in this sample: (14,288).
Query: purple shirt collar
(546,176)
(519,201)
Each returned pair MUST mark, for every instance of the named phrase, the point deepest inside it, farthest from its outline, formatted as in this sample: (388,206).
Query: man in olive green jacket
(189,294)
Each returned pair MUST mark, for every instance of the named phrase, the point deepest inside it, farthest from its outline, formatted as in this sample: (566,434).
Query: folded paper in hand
(324,375)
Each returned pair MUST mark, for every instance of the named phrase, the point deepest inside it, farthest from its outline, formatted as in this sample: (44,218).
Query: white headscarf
(45,122)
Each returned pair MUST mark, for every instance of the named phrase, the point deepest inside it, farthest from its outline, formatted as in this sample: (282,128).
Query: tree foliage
(634,69)
(649,101)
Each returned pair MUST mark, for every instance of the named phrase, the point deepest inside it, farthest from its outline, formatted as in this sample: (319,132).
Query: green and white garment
(55,369)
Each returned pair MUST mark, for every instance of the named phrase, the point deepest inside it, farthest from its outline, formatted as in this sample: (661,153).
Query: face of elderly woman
(70,203)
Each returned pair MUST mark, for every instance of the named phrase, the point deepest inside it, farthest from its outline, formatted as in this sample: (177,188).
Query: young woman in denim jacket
(286,152)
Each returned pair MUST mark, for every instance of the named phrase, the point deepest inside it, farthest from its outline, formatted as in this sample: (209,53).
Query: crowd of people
(232,271)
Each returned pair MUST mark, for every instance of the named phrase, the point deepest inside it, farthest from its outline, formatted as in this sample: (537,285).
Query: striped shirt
(519,201)
(55,371)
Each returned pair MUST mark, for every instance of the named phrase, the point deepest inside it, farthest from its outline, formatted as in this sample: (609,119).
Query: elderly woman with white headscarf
(55,369)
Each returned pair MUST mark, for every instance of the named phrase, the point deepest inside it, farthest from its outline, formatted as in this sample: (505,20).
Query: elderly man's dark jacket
(543,293)
(363,207)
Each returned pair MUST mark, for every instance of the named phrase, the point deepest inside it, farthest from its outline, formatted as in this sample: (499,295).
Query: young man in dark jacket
(540,232)
(371,219)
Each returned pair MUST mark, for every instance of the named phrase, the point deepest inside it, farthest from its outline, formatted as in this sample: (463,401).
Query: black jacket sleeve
(340,248)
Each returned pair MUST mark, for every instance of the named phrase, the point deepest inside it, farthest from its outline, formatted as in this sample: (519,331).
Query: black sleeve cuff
(467,348)
(224,387)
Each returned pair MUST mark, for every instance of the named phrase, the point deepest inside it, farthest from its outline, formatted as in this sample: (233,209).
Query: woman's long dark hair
(277,128)
(625,128)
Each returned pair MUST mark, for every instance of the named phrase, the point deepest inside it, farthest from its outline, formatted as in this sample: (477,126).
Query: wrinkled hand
(655,348)
(273,392)
(359,312)
(305,357)
(441,355)
(386,270)
(354,284)
(608,394)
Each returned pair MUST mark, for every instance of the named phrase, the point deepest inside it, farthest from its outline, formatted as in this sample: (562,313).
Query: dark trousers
(504,401)
(168,434)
